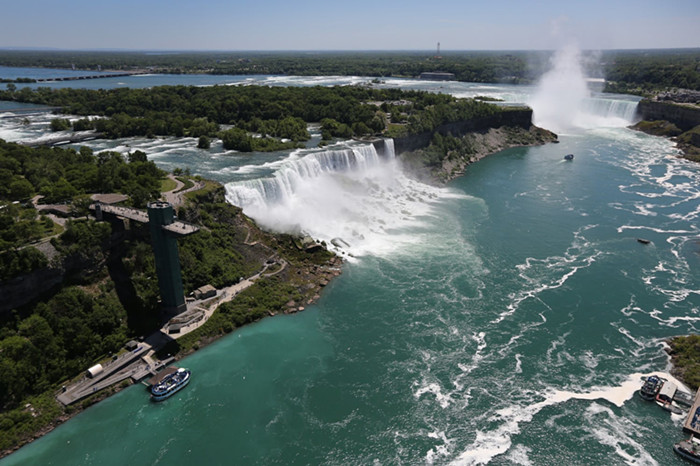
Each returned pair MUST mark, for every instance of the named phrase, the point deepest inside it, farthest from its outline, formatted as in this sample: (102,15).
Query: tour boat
(665,398)
(689,449)
(170,385)
(569,157)
(651,387)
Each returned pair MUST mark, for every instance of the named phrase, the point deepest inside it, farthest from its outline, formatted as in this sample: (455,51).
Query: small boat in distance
(689,449)
(651,387)
(643,240)
(569,157)
(172,383)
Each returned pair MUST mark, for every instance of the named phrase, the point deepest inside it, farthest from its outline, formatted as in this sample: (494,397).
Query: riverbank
(685,359)
(295,274)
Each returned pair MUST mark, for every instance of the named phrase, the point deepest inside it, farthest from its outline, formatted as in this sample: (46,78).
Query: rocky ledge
(675,115)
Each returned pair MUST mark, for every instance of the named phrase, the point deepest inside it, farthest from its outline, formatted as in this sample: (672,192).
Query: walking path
(175,196)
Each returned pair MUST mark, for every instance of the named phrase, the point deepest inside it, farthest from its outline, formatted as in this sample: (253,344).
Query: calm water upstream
(505,318)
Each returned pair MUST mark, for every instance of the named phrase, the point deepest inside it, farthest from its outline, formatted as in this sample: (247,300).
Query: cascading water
(351,193)
(563,100)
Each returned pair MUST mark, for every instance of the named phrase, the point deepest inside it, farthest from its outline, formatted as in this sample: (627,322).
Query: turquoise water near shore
(503,319)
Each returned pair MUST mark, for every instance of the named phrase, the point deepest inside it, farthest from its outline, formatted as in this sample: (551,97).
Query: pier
(692,423)
(135,365)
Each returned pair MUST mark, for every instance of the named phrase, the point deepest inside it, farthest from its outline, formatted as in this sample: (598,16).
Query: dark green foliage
(84,124)
(19,262)
(61,174)
(84,238)
(238,139)
(642,72)
(60,124)
(213,256)
(203,143)
(293,128)
(685,353)
(334,129)
(20,225)
(61,338)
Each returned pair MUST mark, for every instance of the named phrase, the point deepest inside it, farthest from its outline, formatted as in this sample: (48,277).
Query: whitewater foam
(350,194)
(489,444)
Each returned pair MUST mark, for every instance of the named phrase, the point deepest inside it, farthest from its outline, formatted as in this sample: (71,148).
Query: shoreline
(322,280)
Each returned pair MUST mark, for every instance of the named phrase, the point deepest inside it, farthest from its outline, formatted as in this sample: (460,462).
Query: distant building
(437,76)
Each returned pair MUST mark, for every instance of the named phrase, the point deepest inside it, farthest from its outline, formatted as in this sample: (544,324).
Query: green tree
(20,189)
(203,143)
(60,124)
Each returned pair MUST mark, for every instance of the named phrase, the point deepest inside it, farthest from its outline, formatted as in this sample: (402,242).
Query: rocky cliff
(680,121)
(520,117)
(684,116)
(478,138)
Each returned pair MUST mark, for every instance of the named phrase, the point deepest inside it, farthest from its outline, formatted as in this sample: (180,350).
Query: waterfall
(294,173)
(563,100)
(357,193)
(607,107)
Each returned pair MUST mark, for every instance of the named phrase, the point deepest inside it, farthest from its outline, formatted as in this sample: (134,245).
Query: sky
(350,25)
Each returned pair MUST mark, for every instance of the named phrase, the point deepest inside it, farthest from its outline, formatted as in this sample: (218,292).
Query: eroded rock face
(684,116)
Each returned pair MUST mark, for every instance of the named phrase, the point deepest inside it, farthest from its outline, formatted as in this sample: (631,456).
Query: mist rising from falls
(563,101)
(352,193)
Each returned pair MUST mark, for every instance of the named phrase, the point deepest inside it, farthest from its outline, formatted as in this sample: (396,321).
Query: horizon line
(430,51)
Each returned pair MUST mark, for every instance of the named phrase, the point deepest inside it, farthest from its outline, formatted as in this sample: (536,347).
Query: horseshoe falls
(505,318)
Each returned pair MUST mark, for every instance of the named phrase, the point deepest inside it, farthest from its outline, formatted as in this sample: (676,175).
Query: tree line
(626,70)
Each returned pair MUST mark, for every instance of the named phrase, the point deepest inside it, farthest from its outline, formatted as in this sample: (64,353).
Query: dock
(692,424)
(135,365)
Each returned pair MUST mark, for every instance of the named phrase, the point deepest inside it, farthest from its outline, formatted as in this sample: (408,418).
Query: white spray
(563,101)
(351,197)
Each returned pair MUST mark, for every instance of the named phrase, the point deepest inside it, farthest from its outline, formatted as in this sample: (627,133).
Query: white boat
(170,384)
(665,398)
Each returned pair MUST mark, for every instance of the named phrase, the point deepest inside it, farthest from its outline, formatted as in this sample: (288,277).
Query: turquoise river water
(506,318)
